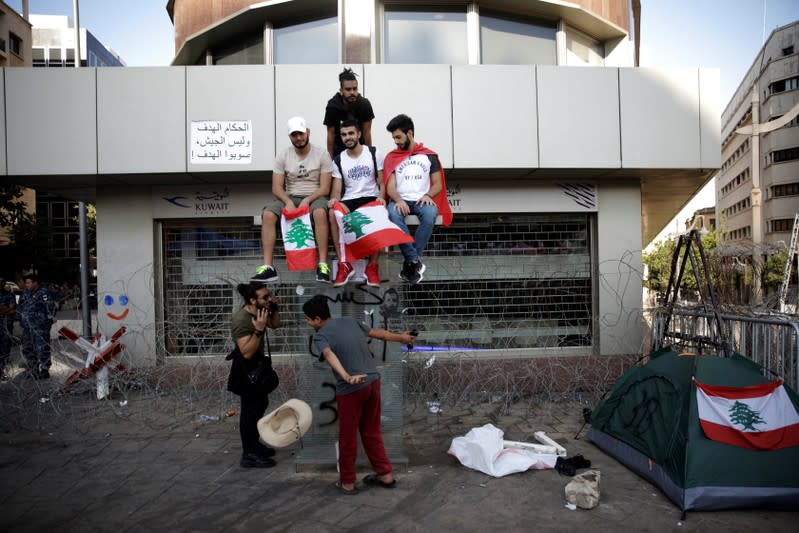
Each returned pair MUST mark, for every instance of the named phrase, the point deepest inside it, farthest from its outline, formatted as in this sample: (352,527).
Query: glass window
(246,52)
(314,42)
(38,57)
(15,43)
(435,35)
(514,42)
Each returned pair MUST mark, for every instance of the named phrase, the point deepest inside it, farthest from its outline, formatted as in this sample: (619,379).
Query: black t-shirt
(337,111)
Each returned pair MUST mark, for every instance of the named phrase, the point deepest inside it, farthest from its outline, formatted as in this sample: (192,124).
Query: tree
(31,249)
(12,207)
(774,270)
(91,229)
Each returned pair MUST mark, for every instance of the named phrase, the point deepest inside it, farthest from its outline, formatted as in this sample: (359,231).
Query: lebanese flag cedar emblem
(759,417)
(366,230)
(298,238)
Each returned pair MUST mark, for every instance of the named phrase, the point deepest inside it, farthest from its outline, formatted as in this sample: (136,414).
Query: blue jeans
(427,214)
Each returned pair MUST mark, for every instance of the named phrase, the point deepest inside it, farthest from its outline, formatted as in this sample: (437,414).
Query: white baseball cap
(296,124)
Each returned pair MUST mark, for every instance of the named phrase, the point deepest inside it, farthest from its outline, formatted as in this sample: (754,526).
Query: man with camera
(248,329)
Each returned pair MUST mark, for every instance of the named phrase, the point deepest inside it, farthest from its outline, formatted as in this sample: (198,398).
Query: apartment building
(757,187)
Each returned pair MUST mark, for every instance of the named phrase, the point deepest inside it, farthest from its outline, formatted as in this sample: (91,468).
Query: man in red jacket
(415,186)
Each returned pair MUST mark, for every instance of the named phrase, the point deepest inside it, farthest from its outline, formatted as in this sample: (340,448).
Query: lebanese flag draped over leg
(298,238)
(759,417)
(366,230)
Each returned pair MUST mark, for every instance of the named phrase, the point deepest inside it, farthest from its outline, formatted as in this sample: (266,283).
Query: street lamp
(755,130)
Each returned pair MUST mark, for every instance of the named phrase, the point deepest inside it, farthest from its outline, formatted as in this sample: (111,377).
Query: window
(307,43)
(785,189)
(436,35)
(506,41)
(787,51)
(779,156)
(780,86)
(780,224)
(15,43)
(246,52)
(54,59)
(38,57)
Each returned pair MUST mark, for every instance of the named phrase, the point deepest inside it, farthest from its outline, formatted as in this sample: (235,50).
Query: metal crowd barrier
(771,342)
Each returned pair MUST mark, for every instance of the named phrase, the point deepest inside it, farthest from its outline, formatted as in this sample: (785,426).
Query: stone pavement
(145,462)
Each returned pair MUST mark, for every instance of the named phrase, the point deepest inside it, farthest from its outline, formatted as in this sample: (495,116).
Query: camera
(272,308)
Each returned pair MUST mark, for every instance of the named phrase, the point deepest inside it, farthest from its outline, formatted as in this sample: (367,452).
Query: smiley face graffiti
(110,302)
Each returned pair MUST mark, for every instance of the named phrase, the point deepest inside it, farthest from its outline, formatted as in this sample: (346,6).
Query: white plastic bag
(482,449)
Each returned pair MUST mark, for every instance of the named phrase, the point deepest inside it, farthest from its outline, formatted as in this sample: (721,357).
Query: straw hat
(286,424)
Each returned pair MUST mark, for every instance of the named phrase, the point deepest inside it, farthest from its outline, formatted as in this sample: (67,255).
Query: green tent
(649,422)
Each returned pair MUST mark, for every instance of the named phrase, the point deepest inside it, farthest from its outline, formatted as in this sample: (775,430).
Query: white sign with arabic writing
(221,142)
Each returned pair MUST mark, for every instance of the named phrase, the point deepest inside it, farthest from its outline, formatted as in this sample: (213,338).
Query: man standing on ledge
(300,177)
(415,185)
(347,104)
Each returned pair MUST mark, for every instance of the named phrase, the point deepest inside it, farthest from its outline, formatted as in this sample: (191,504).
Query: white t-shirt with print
(360,176)
(413,176)
(302,175)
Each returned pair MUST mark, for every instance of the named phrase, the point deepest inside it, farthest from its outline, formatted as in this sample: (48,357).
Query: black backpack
(337,161)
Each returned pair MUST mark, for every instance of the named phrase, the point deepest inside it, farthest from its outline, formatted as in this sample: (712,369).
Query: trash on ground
(569,467)
(208,418)
(44,399)
(434,406)
(123,403)
(583,490)
(570,507)
(231,412)
(482,449)
(543,438)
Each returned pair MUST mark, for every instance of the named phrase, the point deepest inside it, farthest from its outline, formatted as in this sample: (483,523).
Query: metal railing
(772,342)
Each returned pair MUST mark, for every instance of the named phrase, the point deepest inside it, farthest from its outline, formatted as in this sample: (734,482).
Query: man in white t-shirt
(357,180)
(415,185)
(300,177)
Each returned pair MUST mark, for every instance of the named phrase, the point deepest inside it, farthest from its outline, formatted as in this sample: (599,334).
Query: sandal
(374,481)
(342,490)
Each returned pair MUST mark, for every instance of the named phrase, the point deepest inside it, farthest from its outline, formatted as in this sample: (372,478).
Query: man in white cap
(301,177)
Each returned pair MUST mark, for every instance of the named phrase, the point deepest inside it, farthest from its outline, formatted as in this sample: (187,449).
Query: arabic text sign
(221,142)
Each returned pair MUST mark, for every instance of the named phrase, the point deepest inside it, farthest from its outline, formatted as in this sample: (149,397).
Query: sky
(723,34)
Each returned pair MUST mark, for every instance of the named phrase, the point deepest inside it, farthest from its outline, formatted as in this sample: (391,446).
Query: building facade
(557,174)
(757,187)
(54,45)
(15,38)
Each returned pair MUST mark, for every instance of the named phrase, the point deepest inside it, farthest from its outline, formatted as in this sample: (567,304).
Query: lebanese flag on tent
(759,417)
(298,238)
(366,230)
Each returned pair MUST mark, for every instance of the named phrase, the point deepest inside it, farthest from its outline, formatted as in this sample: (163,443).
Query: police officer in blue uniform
(8,305)
(36,313)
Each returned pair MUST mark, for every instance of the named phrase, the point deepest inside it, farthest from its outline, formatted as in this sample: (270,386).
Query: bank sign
(208,201)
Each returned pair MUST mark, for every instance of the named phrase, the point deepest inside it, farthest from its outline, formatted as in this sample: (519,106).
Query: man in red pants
(342,343)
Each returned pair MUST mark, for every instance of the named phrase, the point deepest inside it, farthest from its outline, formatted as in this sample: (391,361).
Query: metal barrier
(773,342)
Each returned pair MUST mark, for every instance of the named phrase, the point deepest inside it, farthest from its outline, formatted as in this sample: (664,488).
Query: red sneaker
(372,276)
(345,272)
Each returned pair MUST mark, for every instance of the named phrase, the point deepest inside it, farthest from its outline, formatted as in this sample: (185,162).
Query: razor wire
(188,389)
